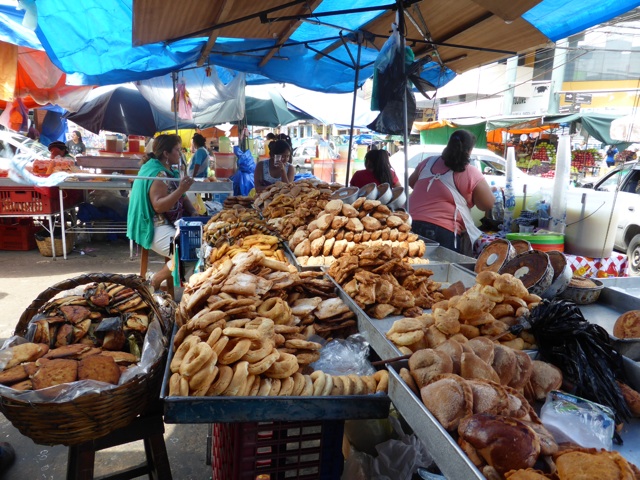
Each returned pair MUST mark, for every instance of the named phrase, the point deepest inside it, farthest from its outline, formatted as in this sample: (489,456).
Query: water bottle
(497,212)
(543,214)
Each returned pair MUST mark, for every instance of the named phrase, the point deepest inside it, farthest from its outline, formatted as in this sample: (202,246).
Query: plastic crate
(277,450)
(191,237)
(29,200)
(18,235)
(220,197)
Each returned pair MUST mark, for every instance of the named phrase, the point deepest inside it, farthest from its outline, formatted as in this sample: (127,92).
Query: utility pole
(512,75)
(557,76)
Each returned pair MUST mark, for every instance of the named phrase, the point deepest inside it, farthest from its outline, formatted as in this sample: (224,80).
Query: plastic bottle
(497,212)
(543,214)
(225,145)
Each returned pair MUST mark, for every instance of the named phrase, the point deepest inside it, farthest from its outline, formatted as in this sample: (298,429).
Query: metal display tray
(450,458)
(628,285)
(610,305)
(265,409)
(439,254)
(374,330)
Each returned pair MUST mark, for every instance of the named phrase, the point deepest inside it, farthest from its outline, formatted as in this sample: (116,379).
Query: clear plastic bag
(345,357)
(397,459)
(574,419)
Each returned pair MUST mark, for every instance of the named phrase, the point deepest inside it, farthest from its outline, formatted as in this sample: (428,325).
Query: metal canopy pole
(174,79)
(359,36)
(405,117)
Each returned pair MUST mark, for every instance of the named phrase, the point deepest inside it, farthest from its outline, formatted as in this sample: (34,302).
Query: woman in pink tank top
(438,212)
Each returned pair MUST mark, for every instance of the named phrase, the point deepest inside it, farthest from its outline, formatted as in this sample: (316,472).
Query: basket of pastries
(87,357)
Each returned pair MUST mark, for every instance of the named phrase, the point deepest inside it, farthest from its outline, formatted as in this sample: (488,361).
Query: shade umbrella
(124,110)
(626,129)
(271,112)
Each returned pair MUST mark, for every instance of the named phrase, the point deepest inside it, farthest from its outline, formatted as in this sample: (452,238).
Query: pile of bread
(481,392)
(34,366)
(245,325)
(96,336)
(233,214)
(340,226)
(241,358)
(254,285)
(382,284)
(235,201)
(489,308)
(286,206)
(230,247)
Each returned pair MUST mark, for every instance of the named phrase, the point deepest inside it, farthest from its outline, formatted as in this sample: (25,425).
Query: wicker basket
(93,415)
(44,244)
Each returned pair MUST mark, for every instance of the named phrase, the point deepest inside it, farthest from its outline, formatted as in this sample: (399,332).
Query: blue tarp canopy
(308,43)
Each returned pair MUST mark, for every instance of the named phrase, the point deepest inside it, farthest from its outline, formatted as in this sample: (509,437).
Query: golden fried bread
(100,368)
(527,474)
(449,398)
(13,375)
(55,372)
(68,351)
(26,352)
(592,464)
(627,325)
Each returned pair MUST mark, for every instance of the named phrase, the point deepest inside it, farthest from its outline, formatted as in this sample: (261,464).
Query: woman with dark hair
(155,205)
(444,190)
(277,168)
(199,165)
(59,149)
(75,145)
(377,170)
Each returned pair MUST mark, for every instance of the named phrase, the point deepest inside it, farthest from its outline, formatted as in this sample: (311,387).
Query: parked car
(302,157)
(625,179)
(492,165)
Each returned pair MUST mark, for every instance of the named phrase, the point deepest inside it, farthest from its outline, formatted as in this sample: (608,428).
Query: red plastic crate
(277,450)
(29,200)
(35,200)
(18,234)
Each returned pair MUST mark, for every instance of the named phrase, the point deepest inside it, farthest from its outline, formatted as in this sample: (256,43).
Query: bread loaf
(627,325)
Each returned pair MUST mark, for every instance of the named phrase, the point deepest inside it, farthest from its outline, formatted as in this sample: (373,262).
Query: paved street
(23,276)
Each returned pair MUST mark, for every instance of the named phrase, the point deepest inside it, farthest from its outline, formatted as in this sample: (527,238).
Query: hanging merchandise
(390,85)
(184,102)
(243,178)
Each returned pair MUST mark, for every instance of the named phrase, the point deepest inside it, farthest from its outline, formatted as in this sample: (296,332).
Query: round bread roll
(627,325)
(581,282)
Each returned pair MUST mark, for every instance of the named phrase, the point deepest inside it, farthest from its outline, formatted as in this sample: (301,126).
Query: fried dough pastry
(100,368)
(592,464)
(449,398)
(426,364)
(527,474)
(55,372)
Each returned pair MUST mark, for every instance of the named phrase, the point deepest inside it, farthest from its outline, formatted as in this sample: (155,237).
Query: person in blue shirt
(199,165)
(611,154)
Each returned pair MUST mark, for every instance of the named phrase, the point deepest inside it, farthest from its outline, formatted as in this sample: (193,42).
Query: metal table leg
(62,223)
(53,245)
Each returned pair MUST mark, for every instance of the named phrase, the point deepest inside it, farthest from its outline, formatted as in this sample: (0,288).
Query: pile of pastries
(245,325)
(340,227)
(92,336)
(382,283)
(287,206)
(489,308)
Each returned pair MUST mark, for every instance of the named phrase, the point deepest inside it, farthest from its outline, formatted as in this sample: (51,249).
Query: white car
(493,166)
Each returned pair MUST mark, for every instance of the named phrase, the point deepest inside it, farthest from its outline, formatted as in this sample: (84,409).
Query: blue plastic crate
(191,237)
(220,197)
